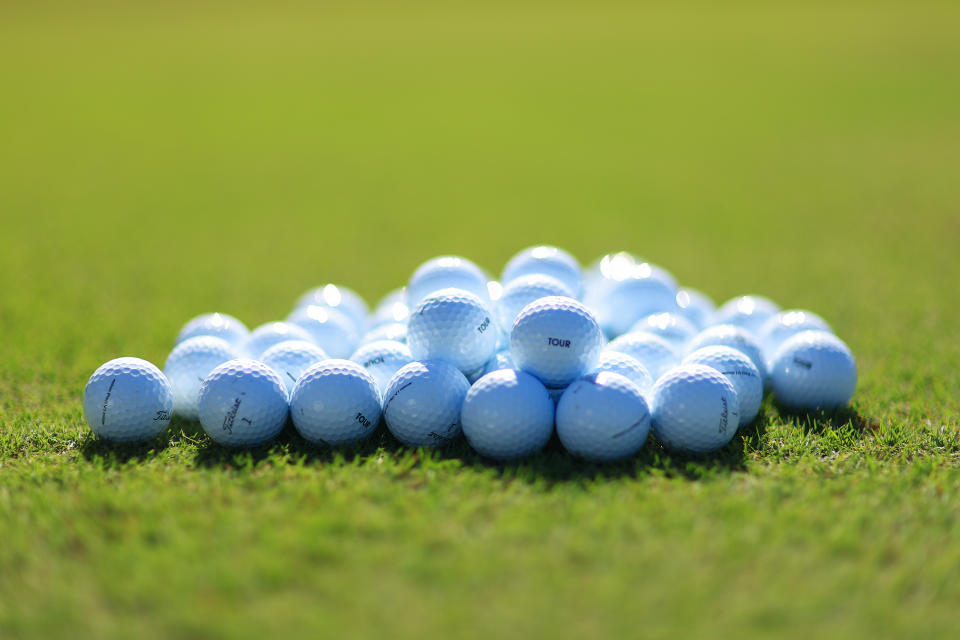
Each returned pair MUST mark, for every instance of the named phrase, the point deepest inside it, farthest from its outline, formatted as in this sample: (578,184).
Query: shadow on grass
(95,448)
(819,423)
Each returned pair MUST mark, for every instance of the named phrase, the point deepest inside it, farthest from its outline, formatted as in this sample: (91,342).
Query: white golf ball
(728,335)
(382,359)
(335,402)
(218,325)
(189,364)
(813,370)
(652,351)
(396,331)
(749,312)
(291,358)
(619,304)
(128,400)
(672,327)
(521,292)
(740,371)
(444,273)
(785,324)
(548,261)
(243,403)
(271,333)
(557,339)
(695,410)
(603,417)
(499,360)
(695,306)
(627,366)
(343,299)
(332,330)
(507,414)
(454,326)
(422,403)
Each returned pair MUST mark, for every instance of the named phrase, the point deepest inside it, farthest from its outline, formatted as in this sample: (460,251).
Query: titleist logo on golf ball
(558,342)
(723,416)
(231,416)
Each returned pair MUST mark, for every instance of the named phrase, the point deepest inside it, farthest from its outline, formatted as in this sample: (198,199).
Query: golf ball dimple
(422,403)
(740,371)
(548,261)
(188,365)
(521,292)
(728,335)
(332,330)
(271,333)
(749,312)
(443,273)
(627,366)
(128,400)
(695,410)
(652,351)
(603,417)
(382,359)
(454,326)
(672,327)
(813,370)
(507,414)
(217,325)
(335,402)
(557,339)
(291,358)
(243,403)
(785,324)
(345,300)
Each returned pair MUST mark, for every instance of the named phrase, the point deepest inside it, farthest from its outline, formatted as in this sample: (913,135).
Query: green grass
(159,161)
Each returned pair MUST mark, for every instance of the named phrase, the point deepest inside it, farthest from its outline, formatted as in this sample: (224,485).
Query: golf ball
(507,414)
(291,358)
(749,312)
(422,403)
(672,327)
(396,331)
(695,307)
(243,403)
(695,410)
(499,360)
(391,309)
(521,292)
(813,370)
(627,366)
(728,335)
(345,300)
(740,371)
(188,365)
(444,273)
(785,324)
(548,261)
(267,335)
(335,402)
(332,330)
(652,351)
(454,326)
(382,359)
(128,400)
(603,417)
(621,303)
(557,339)
(218,325)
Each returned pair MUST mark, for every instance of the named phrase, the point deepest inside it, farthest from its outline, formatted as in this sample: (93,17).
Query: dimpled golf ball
(549,261)
(128,400)
(557,339)
(507,414)
(267,335)
(749,312)
(188,365)
(291,358)
(813,370)
(243,403)
(652,351)
(396,331)
(218,325)
(422,403)
(521,292)
(444,273)
(332,330)
(785,324)
(499,360)
(740,371)
(391,309)
(672,327)
(621,303)
(728,335)
(455,326)
(695,306)
(695,410)
(382,359)
(627,366)
(335,402)
(346,301)
(603,417)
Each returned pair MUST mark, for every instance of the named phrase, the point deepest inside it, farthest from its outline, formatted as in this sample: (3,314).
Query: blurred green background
(159,160)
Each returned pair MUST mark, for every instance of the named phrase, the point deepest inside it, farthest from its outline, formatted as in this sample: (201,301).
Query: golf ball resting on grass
(503,363)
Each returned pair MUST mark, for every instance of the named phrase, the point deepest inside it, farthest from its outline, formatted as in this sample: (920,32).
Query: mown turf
(162,161)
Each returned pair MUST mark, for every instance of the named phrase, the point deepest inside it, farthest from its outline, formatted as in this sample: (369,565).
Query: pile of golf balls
(601,356)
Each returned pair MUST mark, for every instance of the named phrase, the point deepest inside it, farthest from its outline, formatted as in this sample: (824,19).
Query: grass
(159,162)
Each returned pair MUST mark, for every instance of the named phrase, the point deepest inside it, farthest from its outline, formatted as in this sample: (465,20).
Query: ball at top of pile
(602,356)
